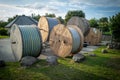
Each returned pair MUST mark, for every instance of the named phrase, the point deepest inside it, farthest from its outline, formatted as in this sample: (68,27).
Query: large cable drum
(25,41)
(94,36)
(45,25)
(99,36)
(82,23)
(65,41)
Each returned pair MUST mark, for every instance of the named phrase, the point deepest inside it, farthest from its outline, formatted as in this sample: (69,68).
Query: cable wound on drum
(66,40)
(28,41)
(76,39)
(45,25)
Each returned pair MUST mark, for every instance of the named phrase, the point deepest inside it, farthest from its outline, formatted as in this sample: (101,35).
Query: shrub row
(3,31)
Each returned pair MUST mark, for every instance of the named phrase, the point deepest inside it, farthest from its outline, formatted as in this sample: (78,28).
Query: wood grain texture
(61,40)
(82,23)
(45,26)
(94,36)
(16,42)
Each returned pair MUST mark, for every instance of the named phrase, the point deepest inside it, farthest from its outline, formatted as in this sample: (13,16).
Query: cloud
(7,11)
(41,6)
(99,3)
(107,11)
(32,5)
(58,7)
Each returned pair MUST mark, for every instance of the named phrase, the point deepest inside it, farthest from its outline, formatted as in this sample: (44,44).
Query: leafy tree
(70,14)
(11,19)
(60,19)
(93,23)
(50,15)
(3,24)
(115,27)
(104,24)
(36,17)
(3,31)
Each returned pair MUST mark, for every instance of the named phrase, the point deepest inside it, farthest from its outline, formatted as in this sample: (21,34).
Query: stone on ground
(92,54)
(104,51)
(2,63)
(28,61)
(52,60)
(109,46)
(78,57)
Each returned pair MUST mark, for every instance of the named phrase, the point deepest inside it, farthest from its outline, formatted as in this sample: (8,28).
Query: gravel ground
(5,50)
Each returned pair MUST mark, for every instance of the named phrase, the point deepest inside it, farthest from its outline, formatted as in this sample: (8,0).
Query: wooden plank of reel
(61,40)
(82,23)
(81,36)
(45,26)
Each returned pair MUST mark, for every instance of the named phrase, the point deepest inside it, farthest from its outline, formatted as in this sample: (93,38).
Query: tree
(93,23)
(3,31)
(3,24)
(49,15)
(70,14)
(115,27)
(36,17)
(11,19)
(60,19)
(104,24)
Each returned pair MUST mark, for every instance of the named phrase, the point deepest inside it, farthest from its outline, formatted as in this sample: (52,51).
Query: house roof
(22,20)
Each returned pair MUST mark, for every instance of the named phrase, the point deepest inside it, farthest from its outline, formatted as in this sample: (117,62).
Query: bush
(3,31)
(115,27)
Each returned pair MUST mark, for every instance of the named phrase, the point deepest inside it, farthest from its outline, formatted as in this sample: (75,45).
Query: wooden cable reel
(45,25)
(99,36)
(65,41)
(25,41)
(82,23)
(94,36)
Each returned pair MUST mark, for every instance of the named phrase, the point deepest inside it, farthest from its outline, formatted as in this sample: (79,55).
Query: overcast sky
(91,8)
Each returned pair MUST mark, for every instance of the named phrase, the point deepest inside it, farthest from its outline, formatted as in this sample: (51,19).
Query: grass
(106,33)
(2,37)
(101,67)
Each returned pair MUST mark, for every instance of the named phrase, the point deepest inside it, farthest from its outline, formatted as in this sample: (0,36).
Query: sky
(91,8)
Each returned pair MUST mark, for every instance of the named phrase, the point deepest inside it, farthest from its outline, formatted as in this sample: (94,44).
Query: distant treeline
(106,25)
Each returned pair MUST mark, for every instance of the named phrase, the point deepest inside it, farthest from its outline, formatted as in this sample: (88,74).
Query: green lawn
(106,33)
(2,37)
(101,67)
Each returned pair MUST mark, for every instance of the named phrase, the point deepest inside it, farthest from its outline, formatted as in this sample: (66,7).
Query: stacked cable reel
(94,37)
(27,40)
(66,40)
(45,25)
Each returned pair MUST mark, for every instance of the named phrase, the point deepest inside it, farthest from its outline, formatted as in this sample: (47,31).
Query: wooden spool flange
(45,25)
(61,40)
(94,36)
(25,41)
(82,23)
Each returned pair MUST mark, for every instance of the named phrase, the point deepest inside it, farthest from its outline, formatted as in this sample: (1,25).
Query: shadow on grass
(114,63)
(93,61)
(63,72)
(5,73)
